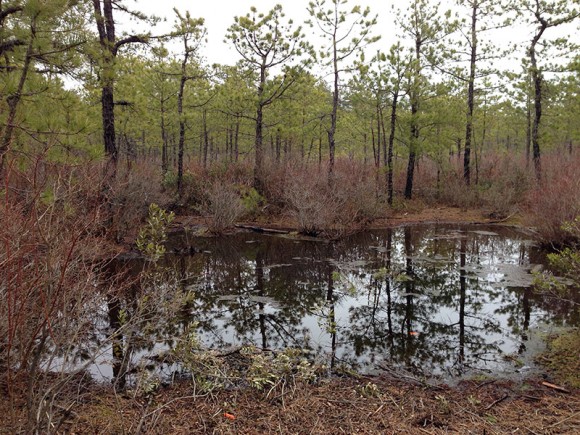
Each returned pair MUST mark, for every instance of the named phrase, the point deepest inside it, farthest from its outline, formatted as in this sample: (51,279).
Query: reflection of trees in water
(471,334)
(248,293)
(421,299)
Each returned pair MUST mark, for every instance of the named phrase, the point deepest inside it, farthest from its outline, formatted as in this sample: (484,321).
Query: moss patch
(562,359)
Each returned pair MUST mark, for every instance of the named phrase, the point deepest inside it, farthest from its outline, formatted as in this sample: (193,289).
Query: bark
(259,160)
(103,13)
(479,154)
(537,82)
(333,115)
(181,145)
(390,149)
(470,96)
(414,139)
(106,30)
(528,127)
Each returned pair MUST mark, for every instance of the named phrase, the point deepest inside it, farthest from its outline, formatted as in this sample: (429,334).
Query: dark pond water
(444,301)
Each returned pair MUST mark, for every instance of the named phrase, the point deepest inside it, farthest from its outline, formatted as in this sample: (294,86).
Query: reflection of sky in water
(397,298)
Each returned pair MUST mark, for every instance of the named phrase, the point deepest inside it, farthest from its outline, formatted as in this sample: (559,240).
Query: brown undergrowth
(300,195)
(333,406)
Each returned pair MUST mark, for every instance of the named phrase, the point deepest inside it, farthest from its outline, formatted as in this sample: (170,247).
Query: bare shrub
(556,200)
(355,192)
(223,207)
(277,177)
(310,204)
(507,190)
(346,203)
(48,300)
(129,196)
(451,190)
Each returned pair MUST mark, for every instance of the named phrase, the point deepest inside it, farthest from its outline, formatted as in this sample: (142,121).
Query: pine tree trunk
(390,149)
(470,97)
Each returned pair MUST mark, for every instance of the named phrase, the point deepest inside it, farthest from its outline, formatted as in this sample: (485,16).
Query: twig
(378,409)
(501,399)
(555,387)
(499,221)
(410,378)
(144,415)
(485,384)
(564,419)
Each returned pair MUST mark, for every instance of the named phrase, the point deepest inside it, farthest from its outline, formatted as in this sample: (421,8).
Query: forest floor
(349,405)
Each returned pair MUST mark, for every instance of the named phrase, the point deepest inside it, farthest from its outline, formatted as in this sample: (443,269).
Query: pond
(431,300)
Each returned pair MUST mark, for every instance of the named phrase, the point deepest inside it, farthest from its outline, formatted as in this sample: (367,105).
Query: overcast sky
(219,15)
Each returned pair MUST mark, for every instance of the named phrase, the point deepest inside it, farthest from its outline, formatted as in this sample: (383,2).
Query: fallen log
(262,229)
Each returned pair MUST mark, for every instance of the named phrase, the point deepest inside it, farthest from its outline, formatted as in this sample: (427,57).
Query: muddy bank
(410,216)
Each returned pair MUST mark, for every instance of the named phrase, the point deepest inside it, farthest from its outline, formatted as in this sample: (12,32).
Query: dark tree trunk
(528,127)
(259,150)
(109,47)
(106,30)
(108,114)
(181,145)
(334,113)
(390,149)
(537,81)
(412,148)
(470,97)
(414,139)
(410,175)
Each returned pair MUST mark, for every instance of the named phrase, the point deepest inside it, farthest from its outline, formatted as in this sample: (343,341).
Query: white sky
(219,15)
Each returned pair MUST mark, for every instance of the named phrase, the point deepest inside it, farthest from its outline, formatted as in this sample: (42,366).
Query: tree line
(76,87)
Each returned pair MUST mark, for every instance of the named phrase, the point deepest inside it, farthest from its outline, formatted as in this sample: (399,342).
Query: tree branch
(9,11)
(129,40)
